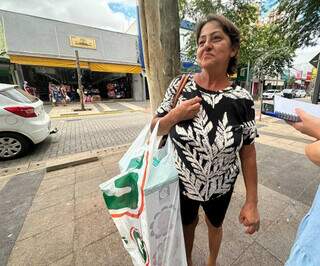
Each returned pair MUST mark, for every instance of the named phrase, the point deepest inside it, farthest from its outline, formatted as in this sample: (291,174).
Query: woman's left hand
(249,217)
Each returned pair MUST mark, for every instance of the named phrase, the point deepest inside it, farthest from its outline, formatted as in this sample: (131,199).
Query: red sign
(298,75)
(309,74)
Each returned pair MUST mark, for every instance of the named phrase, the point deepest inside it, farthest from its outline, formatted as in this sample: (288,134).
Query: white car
(269,94)
(300,93)
(23,121)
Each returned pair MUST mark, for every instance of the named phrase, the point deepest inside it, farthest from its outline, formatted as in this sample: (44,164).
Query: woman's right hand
(186,109)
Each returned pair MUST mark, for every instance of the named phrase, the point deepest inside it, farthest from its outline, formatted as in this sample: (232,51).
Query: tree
(257,39)
(300,21)
(159,21)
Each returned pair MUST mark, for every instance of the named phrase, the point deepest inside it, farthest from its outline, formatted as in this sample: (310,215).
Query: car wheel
(13,145)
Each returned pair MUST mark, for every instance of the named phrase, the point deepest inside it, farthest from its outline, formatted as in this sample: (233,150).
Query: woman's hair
(228,28)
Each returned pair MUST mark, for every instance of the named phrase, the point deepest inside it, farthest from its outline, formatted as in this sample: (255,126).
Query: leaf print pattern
(206,147)
(210,170)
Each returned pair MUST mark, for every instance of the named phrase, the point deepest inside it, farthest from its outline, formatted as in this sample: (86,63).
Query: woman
(211,123)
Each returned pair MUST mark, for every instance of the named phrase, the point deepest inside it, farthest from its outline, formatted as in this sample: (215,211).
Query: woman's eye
(216,38)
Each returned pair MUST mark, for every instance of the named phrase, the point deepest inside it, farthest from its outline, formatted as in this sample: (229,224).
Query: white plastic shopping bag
(144,203)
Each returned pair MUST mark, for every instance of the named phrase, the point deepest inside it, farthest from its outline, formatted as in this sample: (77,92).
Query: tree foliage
(263,45)
(300,21)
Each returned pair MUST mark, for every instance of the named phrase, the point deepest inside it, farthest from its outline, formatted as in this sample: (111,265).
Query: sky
(116,15)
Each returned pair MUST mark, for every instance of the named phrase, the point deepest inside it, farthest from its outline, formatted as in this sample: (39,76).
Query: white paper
(288,106)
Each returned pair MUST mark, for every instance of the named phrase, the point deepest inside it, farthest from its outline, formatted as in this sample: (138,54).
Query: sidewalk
(59,217)
(97,108)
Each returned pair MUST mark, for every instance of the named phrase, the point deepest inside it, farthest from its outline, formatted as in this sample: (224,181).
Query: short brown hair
(228,28)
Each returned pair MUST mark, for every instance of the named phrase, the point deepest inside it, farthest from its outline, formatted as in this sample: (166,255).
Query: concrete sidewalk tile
(4,181)
(88,166)
(59,173)
(256,255)
(43,220)
(66,261)
(233,239)
(88,204)
(55,183)
(199,257)
(107,251)
(279,237)
(92,227)
(45,200)
(112,158)
(111,172)
(44,248)
(90,173)
(88,187)
(307,196)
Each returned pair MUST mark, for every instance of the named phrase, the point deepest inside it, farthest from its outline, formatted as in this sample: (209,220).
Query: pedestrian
(212,123)
(306,247)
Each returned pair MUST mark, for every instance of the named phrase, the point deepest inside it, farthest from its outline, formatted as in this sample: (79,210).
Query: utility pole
(80,88)
(159,22)
(315,97)
(247,79)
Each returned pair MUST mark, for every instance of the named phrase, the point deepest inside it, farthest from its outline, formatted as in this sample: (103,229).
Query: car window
(19,95)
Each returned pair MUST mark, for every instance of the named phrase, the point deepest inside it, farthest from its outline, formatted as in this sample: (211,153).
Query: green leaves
(268,49)
(300,19)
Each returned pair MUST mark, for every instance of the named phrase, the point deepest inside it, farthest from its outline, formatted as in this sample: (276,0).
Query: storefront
(42,51)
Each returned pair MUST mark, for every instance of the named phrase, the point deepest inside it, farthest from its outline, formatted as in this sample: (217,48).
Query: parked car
(23,121)
(288,93)
(269,94)
(300,93)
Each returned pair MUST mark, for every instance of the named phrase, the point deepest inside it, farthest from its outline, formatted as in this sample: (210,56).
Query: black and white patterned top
(206,146)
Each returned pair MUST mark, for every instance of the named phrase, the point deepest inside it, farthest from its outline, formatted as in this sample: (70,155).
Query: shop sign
(82,42)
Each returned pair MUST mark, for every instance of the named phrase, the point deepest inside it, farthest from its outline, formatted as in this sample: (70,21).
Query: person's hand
(187,109)
(309,125)
(249,217)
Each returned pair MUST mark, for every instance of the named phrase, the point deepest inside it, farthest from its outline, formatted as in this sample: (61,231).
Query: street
(84,133)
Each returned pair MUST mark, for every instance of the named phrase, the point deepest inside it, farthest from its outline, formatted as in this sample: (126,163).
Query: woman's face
(214,47)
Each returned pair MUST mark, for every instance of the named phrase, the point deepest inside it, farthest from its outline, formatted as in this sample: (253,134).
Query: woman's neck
(212,80)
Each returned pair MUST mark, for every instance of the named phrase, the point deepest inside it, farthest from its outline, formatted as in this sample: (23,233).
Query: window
(19,95)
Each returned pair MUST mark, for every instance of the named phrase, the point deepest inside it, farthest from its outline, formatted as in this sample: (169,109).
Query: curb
(63,161)
(76,114)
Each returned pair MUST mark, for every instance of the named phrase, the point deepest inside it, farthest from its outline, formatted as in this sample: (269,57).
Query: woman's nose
(208,45)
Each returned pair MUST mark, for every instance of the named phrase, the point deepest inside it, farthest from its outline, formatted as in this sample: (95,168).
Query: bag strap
(182,83)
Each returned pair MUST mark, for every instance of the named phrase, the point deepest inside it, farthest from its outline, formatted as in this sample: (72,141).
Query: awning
(100,67)
(52,62)
(46,62)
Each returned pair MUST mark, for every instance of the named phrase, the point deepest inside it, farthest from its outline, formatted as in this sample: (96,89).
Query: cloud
(95,13)
(304,55)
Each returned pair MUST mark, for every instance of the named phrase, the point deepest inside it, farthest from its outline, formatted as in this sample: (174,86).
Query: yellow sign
(83,42)
(314,73)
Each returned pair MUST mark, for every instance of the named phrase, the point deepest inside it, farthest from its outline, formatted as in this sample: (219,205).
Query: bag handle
(182,83)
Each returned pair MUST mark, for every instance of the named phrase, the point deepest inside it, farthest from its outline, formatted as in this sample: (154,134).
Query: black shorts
(214,209)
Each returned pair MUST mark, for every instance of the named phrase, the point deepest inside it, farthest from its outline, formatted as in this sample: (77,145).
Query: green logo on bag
(136,163)
(125,193)
(135,235)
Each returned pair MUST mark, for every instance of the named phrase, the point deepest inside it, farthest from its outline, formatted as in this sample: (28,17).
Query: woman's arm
(249,215)
(313,152)
(184,111)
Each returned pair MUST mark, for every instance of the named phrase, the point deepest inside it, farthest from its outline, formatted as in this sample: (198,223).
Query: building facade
(42,51)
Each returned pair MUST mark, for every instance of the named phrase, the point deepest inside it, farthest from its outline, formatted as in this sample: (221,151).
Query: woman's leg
(215,237)
(188,232)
